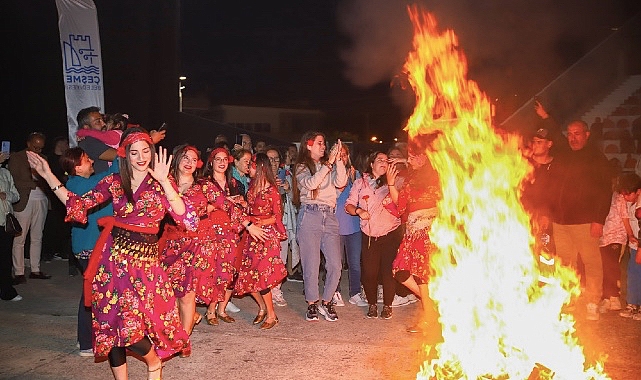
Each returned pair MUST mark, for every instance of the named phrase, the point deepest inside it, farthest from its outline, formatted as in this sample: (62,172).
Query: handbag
(12,226)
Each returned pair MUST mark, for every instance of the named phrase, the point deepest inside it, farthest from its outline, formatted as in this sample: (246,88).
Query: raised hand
(391,174)
(37,163)
(160,172)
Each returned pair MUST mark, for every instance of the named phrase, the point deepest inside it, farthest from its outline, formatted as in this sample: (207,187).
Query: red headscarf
(133,138)
(214,152)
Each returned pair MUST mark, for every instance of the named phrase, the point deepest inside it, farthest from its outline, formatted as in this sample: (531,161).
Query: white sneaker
(231,308)
(412,298)
(86,353)
(400,301)
(338,299)
(277,297)
(630,311)
(592,313)
(379,294)
(357,300)
(604,306)
(615,303)
(18,297)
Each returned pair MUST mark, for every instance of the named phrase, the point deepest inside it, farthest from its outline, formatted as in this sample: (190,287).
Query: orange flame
(497,321)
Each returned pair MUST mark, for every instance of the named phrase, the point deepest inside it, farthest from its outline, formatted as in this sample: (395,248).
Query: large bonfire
(497,321)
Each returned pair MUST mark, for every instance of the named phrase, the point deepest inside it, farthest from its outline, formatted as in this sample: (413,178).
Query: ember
(497,321)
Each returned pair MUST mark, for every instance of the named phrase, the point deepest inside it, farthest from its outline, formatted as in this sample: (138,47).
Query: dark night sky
(340,56)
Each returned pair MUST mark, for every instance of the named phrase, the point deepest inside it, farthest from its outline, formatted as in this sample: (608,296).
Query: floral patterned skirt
(416,247)
(223,252)
(133,298)
(261,267)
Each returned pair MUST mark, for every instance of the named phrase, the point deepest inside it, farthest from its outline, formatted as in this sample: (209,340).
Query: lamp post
(180,93)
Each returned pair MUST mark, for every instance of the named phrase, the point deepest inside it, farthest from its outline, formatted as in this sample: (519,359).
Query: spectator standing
(30,210)
(617,230)
(350,232)
(98,151)
(79,166)
(56,240)
(8,195)
(633,294)
(381,233)
(318,175)
(581,194)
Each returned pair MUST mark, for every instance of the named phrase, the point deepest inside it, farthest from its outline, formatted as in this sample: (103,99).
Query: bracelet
(57,187)
(330,166)
(249,224)
(173,199)
(356,211)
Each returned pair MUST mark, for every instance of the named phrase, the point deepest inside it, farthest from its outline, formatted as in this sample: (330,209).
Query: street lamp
(180,93)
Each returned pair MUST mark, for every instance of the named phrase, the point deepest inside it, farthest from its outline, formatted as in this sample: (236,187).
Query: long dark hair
(232,184)
(125,165)
(178,154)
(304,160)
(264,173)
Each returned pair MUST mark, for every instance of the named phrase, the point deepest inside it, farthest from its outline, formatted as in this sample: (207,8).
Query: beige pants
(574,239)
(32,219)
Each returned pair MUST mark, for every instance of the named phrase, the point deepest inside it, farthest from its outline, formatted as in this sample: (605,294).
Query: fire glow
(497,321)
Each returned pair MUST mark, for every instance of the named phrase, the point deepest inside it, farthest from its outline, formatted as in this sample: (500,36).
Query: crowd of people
(586,214)
(157,233)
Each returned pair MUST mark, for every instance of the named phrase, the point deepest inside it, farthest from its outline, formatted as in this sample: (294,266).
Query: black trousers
(376,260)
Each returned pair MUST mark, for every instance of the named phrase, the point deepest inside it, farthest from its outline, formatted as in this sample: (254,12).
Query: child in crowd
(633,296)
(616,232)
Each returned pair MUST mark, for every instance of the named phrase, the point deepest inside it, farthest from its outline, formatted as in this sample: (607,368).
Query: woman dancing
(182,254)
(133,304)
(262,267)
(417,200)
(227,219)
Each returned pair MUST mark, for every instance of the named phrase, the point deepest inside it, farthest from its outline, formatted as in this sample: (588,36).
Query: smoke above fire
(514,47)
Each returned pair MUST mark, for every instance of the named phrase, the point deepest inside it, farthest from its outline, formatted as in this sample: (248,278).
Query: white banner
(81,58)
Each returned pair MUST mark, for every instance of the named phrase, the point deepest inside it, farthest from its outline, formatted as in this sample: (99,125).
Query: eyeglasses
(380,160)
(274,159)
(220,159)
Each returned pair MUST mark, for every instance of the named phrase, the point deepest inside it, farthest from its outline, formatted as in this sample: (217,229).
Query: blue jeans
(352,245)
(634,280)
(318,231)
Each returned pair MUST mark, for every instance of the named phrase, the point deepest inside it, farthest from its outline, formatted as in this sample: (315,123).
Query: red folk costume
(417,201)
(225,222)
(131,296)
(262,268)
(187,255)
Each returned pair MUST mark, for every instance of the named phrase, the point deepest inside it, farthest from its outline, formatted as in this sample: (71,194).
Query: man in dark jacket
(581,191)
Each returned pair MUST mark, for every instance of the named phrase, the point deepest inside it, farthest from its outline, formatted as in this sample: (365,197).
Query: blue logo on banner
(80,71)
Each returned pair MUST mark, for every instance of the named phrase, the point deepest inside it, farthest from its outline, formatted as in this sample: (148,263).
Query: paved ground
(39,341)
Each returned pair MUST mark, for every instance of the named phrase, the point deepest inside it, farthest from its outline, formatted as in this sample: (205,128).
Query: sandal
(262,314)
(226,318)
(211,318)
(268,325)
(155,374)
(197,318)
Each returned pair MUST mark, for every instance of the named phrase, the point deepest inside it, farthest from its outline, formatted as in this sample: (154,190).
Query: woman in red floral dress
(262,267)
(132,301)
(226,220)
(183,253)
(416,202)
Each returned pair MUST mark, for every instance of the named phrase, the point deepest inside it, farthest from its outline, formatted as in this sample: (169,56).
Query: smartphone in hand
(6,147)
